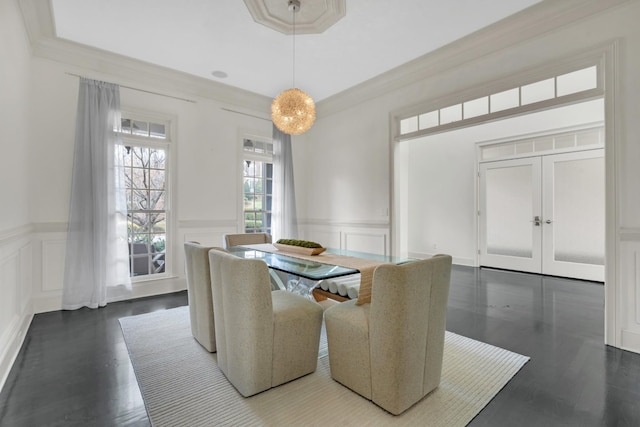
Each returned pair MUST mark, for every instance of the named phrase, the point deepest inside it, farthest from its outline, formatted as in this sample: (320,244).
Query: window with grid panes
(257,185)
(143,156)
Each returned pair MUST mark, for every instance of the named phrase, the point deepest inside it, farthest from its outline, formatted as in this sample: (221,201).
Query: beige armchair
(264,338)
(199,294)
(390,350)
(246,239)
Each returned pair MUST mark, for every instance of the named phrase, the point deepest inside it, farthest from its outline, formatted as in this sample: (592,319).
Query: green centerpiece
(299,246)
(302,243)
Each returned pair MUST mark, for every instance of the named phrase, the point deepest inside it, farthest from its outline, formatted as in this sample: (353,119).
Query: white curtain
(96,263)
(284,220)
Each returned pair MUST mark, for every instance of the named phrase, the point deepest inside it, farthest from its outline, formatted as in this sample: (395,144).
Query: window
(143,156)
(257,185)
(585,79)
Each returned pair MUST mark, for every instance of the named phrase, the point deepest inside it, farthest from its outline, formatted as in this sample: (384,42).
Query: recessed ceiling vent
(314,18)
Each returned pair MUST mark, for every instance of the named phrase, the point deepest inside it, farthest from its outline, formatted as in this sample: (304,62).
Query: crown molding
(533,22)
(38,18)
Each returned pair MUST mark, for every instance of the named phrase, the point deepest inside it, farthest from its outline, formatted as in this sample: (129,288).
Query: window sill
(152,278)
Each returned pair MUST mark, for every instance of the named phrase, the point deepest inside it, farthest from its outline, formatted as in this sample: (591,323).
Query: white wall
(14,118)
(347,152)
(15,245)
(441,181)
(205,170)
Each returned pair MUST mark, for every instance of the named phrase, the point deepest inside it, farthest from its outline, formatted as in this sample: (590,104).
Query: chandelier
(293,111)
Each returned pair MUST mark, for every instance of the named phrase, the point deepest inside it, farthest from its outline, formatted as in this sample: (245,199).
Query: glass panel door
(545,215)
(574,222)
(510,226)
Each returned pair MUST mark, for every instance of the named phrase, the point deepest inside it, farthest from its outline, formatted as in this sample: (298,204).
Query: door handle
(548,221)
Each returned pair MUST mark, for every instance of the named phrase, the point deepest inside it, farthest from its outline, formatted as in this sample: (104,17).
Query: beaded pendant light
(293,111)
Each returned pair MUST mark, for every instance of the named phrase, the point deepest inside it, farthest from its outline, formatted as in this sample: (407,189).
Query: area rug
(182,385)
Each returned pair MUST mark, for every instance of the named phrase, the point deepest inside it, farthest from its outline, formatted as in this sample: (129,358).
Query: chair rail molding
(629,234)
(15,233)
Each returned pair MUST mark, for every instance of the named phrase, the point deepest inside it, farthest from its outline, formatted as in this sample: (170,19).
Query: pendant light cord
(293,83)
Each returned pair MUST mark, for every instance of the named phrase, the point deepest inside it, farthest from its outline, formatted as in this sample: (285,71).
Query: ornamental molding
(314,16)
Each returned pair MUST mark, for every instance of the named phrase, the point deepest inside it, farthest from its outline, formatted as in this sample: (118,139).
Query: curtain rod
(244,114)
(143,90)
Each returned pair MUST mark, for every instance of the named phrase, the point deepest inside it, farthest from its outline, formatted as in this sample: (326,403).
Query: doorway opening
(440,189)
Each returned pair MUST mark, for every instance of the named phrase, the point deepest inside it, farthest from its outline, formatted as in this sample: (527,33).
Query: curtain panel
(284,219)
(97,257)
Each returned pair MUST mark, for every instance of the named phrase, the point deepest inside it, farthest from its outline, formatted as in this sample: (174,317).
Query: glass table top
(310,269)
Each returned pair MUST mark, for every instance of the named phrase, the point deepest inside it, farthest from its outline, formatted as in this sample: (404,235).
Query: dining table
(307,271)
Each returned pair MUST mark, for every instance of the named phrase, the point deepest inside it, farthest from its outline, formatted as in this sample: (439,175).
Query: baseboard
(47,302)
(53,301)
(14,344)
(469,262)
(630,341)
(160,287)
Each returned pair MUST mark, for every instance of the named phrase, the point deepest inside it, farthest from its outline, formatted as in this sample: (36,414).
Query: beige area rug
(182,385)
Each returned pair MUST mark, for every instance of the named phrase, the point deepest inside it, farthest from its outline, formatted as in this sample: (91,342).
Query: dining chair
(264,338)
(199,294)
(246,239)
(390,350)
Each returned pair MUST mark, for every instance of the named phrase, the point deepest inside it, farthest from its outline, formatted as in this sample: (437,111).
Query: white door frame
(607,58)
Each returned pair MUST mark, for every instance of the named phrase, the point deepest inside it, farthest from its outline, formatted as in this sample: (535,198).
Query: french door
(544,214)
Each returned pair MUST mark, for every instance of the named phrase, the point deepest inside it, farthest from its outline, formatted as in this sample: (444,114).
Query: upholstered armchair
(199,294)
(246,239)
(264,338)
(390,350)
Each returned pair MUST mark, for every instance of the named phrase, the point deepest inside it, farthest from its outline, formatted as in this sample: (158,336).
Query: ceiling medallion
(317,16)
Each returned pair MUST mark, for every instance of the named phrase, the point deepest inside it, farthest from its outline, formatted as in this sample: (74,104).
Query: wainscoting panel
(361,237)
(53,254)
(636,284)
(372,242)
(9,286)
(16,310)
(50,241)
(327,238)
(628,298)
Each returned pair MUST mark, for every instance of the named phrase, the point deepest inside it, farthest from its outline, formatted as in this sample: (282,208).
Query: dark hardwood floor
(73,369)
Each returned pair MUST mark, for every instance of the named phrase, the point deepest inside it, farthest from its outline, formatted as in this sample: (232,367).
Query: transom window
(549,89)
